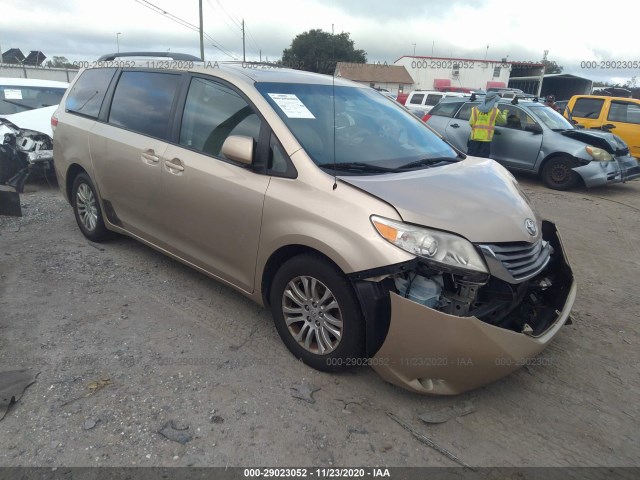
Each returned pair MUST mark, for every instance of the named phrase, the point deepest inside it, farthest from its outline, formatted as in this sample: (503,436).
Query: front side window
(587,107)
(625,112)
(88,92)
(551,118)
(142,102)
(517,118)
(212,112)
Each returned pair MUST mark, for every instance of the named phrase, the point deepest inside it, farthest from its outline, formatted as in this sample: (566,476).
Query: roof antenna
(333,96)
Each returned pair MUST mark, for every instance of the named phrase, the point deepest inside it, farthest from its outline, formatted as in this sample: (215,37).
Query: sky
(573,32)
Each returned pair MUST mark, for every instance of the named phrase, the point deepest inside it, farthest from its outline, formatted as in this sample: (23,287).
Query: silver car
(538,139)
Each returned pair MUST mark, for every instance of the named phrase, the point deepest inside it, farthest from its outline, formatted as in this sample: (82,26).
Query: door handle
(174,164)
(149,156)
(455,125)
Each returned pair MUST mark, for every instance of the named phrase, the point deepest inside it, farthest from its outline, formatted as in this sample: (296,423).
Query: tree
(59,62)
(550,66)
(318,51)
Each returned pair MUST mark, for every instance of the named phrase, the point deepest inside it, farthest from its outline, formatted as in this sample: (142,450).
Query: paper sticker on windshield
(291,105)
(12,94)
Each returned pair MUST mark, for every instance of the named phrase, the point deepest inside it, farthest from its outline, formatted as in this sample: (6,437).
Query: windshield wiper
(28,107)
(357,167)
(425,162)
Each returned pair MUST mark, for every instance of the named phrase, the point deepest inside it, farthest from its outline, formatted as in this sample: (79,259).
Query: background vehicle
(424,100)
(26,146)
(331,205)
(618,115)
(538,139)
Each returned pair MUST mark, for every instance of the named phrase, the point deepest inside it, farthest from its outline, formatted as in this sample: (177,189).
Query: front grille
(518,261)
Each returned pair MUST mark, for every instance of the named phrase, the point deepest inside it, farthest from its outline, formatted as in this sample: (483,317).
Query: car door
(213,206)
(126,150)
(625,117)
(458,129)
(513,146)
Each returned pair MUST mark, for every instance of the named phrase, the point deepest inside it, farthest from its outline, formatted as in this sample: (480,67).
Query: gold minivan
(371,239)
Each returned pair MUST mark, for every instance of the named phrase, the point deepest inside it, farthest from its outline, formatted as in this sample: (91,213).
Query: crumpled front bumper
(600,173)
(431,352)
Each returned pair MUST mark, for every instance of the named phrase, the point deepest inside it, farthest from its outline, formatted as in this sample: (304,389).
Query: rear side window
(417,99)
(212,112)
(465,112)
(433,99)
(587,107)
(445,109)
(142,102)
(88,92)
(624,112)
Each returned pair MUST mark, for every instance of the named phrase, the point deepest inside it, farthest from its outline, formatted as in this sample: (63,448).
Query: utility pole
(201,35)
(244,58)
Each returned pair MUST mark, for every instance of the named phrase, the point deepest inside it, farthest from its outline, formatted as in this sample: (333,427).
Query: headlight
(599,154)
(433,245)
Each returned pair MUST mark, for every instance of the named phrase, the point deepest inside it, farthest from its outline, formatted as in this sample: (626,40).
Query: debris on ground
(304,392)
(98,385)
(175,433)
(427,441)
(445,414)
(12,386)
(90,423)
(217,419)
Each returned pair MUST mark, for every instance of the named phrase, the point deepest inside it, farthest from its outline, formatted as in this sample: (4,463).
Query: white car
(26,143)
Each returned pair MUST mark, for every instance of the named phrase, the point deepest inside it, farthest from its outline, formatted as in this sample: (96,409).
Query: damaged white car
(26,144)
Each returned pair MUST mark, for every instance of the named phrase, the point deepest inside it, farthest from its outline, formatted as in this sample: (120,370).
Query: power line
(186,24)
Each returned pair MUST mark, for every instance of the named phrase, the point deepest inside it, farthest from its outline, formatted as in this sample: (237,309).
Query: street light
(118,40)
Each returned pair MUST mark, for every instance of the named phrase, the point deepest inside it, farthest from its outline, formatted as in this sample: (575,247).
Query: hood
(38,119)
(476,198)
(598,138)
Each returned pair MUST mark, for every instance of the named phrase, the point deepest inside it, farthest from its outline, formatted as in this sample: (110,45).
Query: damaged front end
(22,153)
(446,331)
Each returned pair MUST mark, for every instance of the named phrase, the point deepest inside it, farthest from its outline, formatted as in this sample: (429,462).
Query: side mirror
(239,149)
(534,128)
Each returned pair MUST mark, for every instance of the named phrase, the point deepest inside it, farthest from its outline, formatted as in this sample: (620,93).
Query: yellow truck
(617,115)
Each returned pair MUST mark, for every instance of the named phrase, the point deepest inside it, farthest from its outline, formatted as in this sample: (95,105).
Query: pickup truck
(618,115)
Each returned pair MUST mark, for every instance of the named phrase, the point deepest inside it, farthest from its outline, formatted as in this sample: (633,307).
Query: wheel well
(278,258)
(72,173)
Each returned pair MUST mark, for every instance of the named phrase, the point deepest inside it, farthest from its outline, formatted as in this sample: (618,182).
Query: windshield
(17,98)
(369,128)
(551,118)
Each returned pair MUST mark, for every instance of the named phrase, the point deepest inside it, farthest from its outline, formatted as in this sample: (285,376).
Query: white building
(438,73)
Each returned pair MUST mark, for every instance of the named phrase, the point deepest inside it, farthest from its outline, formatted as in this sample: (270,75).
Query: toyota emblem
(530,225)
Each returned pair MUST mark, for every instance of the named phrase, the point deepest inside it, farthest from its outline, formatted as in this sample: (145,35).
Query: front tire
(558,173)
(317,314)
(86,209)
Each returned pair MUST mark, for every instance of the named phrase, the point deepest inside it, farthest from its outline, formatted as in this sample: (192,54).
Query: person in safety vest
(483,120)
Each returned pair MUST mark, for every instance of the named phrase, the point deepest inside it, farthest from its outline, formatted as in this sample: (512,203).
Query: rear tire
(558,174)
(317,314)
(86,209)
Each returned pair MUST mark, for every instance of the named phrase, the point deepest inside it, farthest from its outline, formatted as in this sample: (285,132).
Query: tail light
(54,122)
(426,117)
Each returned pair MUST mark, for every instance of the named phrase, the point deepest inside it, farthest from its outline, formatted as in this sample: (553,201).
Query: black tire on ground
(331,329)
(558,174)
(86,209)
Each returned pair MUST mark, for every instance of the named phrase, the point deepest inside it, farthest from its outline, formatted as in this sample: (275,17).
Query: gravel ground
(127,341)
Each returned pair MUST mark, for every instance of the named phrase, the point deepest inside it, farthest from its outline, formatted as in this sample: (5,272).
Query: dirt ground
(127,340)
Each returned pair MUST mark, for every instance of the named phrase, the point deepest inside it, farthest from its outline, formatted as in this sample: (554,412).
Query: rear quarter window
(433,99)
(445,109)
(587,107)
(88,92)
(417,99)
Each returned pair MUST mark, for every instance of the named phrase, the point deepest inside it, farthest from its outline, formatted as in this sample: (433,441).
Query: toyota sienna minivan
(371,240)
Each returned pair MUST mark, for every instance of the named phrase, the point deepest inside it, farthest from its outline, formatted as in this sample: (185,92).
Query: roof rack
(173,56)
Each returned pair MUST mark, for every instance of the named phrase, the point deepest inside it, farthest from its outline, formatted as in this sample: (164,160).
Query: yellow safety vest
(483,124)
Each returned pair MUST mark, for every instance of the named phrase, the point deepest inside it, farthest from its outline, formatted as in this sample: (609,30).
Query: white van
(424,100)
